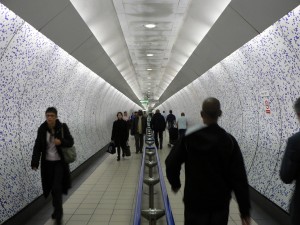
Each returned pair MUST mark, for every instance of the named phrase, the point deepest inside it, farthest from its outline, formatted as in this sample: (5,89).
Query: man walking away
(182,125)
(158,125)
(171,120)
(290,169)
(214,167)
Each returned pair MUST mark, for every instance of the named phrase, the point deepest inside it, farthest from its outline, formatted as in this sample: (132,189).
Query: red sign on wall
(267,105)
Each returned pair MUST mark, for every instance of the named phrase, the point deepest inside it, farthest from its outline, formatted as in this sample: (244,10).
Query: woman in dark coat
(120,134)
(55,172)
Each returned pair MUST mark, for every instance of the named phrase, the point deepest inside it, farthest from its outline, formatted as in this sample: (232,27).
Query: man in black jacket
(158,125)
(214,167)
(55,172)
(290,169)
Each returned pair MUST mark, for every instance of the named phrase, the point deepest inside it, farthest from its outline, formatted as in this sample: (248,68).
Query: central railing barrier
(151,214)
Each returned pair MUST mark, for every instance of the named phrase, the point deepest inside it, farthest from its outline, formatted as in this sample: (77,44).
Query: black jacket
(39,152)
(119,132)
(171,120)
(158,122)
(135,125)
(214,167)
(290,171)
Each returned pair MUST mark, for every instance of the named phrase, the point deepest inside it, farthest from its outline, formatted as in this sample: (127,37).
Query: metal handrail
(138,203)
(168,210)
(137,211)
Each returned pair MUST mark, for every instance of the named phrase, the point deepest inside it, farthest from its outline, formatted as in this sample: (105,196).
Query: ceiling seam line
(40,29)
(82,44)
(244,19)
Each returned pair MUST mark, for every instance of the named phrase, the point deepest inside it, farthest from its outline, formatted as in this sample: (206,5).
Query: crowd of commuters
(214,166)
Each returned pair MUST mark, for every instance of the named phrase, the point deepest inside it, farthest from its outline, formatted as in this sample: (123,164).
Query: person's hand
(34,168)
(246,221)
(57,141)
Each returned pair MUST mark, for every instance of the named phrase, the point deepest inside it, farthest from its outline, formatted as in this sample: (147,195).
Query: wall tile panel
(261,75)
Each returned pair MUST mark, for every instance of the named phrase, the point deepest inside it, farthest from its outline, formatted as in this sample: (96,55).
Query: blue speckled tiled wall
(35,74)
(265,68)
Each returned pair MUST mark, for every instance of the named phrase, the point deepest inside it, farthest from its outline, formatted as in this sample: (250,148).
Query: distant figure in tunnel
(290,169)
(158,125)
(128,122)
(139,126)
(214,167)
(55,172)
(171,126)
(119,134)
(181,125)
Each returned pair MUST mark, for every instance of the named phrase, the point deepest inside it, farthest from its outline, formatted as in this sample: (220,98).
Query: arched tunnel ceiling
(60,21)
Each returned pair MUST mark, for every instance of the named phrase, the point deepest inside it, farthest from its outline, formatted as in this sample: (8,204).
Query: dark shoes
(57,216)
(123,155)
(118,159)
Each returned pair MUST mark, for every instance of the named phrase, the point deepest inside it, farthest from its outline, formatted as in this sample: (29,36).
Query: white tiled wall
(265,68)
(35,74)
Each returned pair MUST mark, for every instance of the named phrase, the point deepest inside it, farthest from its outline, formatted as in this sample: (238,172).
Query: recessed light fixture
(150,54)
(150,25)
(149,78)
(149,69)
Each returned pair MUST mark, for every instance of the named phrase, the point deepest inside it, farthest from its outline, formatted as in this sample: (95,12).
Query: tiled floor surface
(106,196)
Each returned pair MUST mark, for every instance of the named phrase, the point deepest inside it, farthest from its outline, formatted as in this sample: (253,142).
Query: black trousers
(181,132)
(295,217)
(55,173)
(119,146)
(160,143)
(219,217)
(139,142)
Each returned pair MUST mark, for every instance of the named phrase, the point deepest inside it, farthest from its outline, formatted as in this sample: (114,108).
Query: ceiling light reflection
(150,25)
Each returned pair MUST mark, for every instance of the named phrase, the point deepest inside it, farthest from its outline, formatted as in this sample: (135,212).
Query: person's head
(119,115)
(125,113)
(170,111)
(140,112)
(157,111)
(135,113)
(51,116)
(297,108)
(182,114)
(163,111)
(211,110)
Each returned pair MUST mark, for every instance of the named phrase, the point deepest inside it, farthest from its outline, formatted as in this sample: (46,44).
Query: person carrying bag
(52,137)
(69,153)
